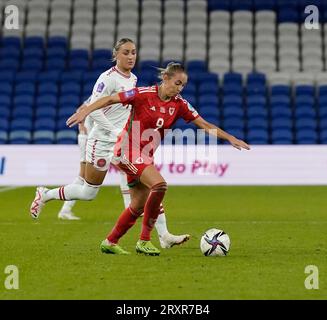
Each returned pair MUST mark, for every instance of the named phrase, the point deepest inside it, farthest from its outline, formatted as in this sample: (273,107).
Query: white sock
(68,205)
(161,224)
(82,139)
(124,189)
(72,192)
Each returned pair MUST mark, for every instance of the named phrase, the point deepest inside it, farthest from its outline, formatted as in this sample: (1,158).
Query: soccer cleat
(107,247)
(38,203)
(147,248)
(67,215)
(169,240)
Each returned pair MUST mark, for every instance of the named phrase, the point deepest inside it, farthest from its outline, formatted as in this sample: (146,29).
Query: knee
(160,187)
(90,191)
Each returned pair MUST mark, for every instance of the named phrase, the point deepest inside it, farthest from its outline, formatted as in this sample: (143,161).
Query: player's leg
(167,240)
(66,210)
(139,194)
(94,176)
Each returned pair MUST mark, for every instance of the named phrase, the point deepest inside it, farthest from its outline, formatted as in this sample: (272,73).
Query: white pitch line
(4,189)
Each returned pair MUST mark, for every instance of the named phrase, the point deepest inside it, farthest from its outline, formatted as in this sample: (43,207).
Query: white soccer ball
(215,242)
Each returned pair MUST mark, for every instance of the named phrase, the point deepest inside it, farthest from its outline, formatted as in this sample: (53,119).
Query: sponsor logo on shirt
(162,110)
(100,87)
(153,108)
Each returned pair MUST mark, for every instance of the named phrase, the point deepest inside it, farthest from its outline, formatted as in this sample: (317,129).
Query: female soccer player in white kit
(101,140)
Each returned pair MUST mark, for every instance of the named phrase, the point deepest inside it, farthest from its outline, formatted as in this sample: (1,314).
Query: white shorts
(99,153)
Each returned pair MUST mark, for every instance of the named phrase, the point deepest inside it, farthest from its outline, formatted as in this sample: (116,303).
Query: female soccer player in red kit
(154,109)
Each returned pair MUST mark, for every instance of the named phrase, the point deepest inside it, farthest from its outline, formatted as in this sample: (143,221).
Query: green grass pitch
(275,233)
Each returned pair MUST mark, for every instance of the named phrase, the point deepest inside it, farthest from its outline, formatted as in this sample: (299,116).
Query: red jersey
(149,118)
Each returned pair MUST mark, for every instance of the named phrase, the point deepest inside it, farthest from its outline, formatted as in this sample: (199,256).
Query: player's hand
(238,144)
(76,118)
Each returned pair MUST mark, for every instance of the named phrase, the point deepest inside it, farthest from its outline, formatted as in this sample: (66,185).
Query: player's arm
(219,133)
(84,111)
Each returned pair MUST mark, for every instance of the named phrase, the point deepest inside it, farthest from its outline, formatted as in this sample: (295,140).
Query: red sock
(125,221)
(152,210)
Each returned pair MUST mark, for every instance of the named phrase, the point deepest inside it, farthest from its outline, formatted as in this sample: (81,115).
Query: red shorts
(132,170)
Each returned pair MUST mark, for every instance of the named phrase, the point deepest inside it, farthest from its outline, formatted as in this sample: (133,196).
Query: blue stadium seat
(306,136)
(9,64)
(238,133)
(69,100)
(257,112)
(91,76)
(23,112)
(3,137)
(79,54)
(25,88)
(305,90)
(32,64)
(306,123)
(207,88)
(280,101)
(56,52)
(148,65)
(33,42)
(52,76)
(322,91)
(45,111)
(233,77)
(219,5)
(281,123)
(101,64)
(208,99)
(233,123)
(24,100)
(242,5)
(35,53)
(323,136)
(233,112)
(21,124)
(57,42)
(47,100)
(4,124)
(280,89)
(55,64)
(288,15)
(281,112)
(67,136)
(256,89)
(5,88)
(26,76)
(102,53)
(70,88)
(304,101)
(208,77)
(305,112)
(231,100)
(5,111)
(78,64)
(68,76)
(282,136)
(48,88)
(66,112)
(20,137)
(256,101)
(257,123)
(43,137)
(264,5)
(5,100)
(196,66)
(232,89)
(87,88)
(189,89)
(257,136)
(45,124)
(12,52)
(209,110)
(11,42)
(323,124)
(7,76)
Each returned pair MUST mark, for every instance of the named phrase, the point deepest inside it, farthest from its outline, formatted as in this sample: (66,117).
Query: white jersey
(110,121)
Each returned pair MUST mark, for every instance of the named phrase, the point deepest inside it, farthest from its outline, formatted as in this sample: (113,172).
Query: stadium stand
(254,68)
